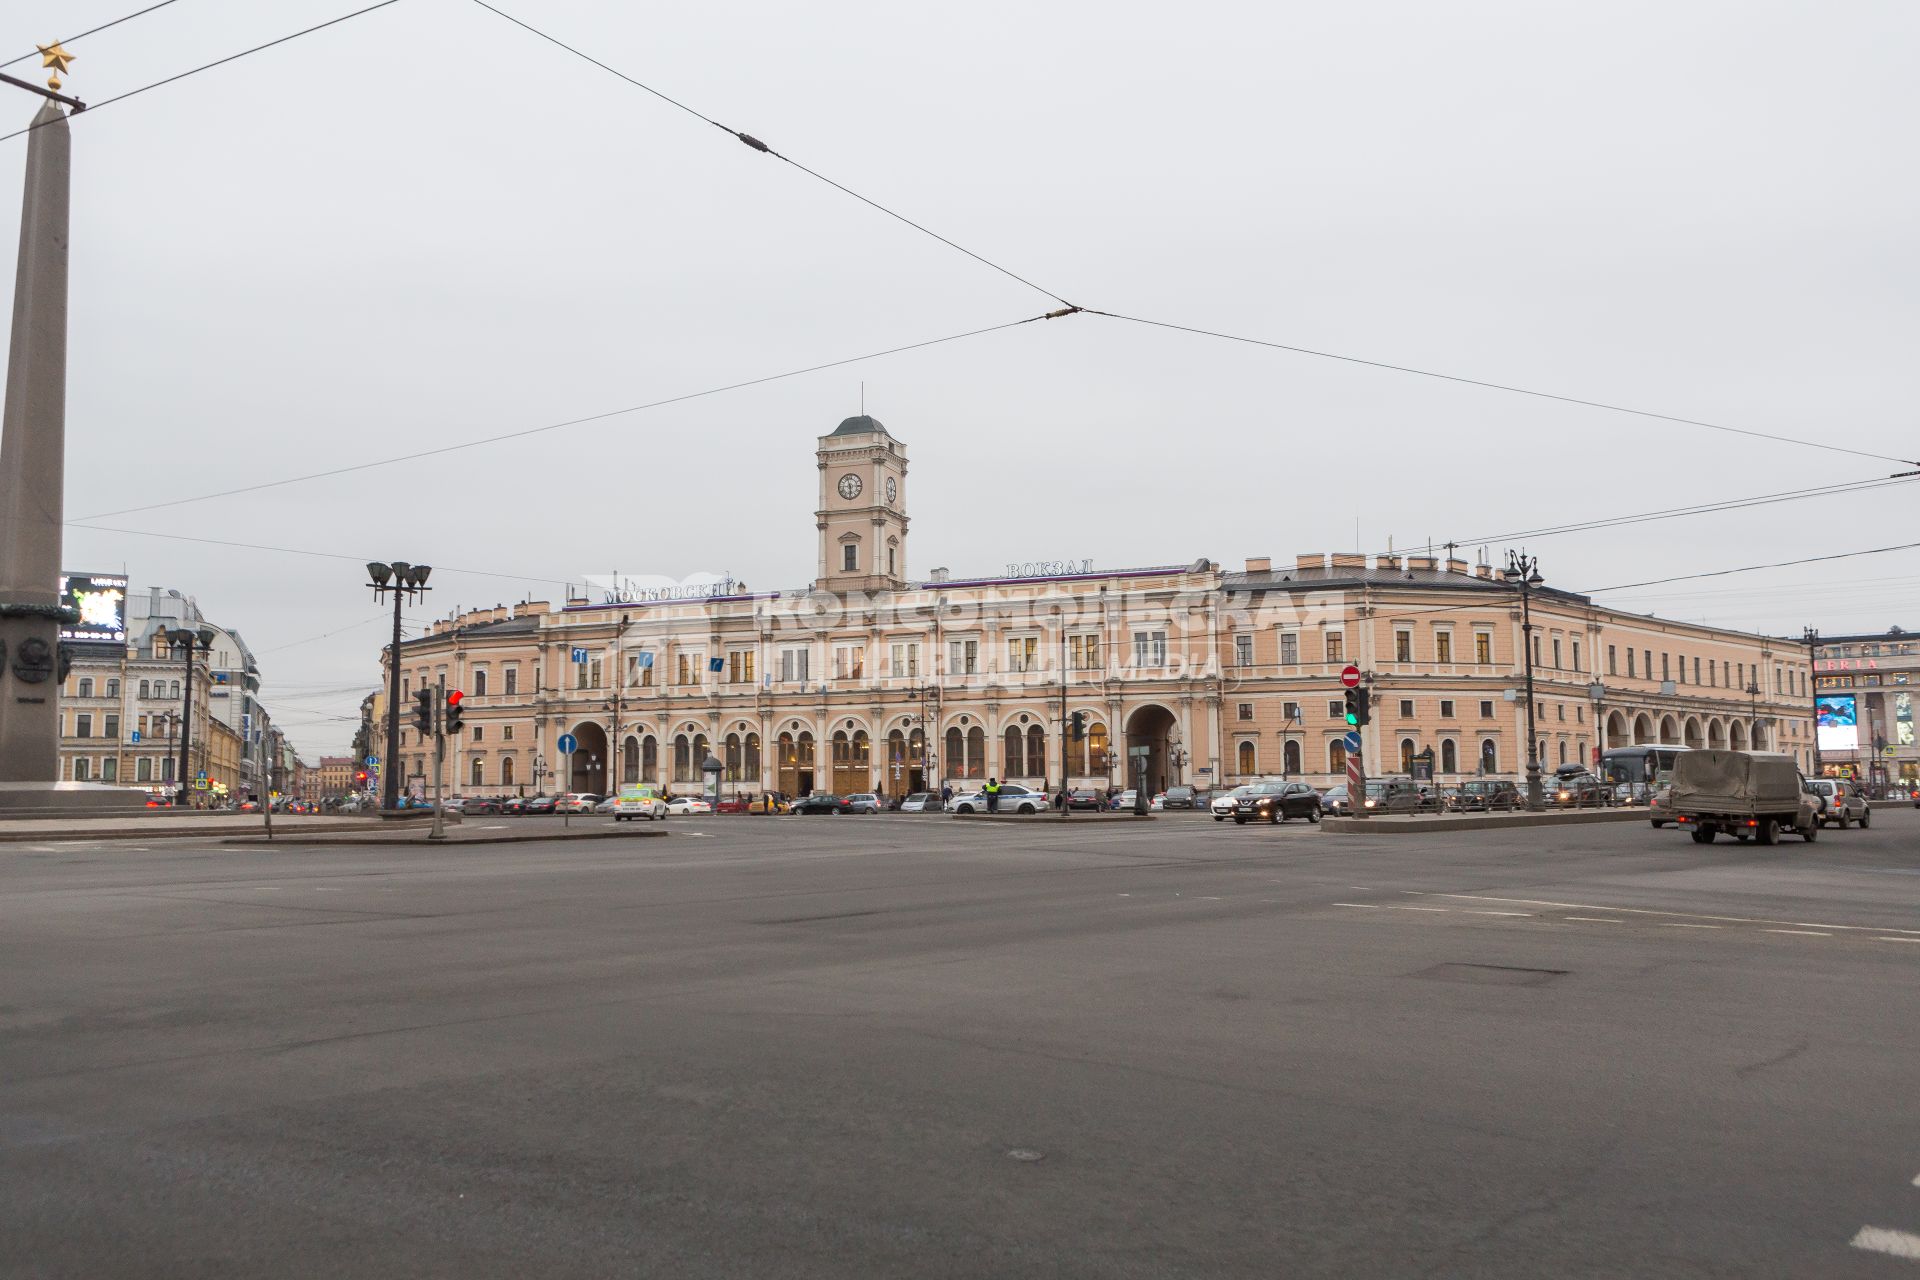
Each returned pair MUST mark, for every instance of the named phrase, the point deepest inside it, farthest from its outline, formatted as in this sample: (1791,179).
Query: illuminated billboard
(101,600)
(1836,722)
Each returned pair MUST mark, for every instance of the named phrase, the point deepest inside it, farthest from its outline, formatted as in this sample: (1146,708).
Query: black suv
(1276,802)
(1484,795)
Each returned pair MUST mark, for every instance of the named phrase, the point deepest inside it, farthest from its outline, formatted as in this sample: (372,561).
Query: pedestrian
(993,795)
(946,795)
(1064,798)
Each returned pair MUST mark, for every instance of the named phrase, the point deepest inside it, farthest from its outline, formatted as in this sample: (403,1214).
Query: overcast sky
(425,226)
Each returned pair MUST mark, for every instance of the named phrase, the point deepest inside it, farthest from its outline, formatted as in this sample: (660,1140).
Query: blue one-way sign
(568,744)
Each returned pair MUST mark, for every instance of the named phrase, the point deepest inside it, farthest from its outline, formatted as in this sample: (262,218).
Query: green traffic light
(1353,719)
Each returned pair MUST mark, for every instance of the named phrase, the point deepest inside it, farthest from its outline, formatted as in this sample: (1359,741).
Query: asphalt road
(901,1046)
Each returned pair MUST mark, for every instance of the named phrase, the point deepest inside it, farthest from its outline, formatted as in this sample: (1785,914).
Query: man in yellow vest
(993,795)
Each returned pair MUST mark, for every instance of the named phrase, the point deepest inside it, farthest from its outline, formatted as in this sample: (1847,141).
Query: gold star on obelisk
(52,55)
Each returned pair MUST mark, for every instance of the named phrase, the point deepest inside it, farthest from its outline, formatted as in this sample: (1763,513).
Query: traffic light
(1077,726)
(1359,708)
(423,712)
(455,712)
(360,776)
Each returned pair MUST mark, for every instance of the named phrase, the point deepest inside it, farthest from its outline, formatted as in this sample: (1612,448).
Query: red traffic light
(360,776)
(454,696)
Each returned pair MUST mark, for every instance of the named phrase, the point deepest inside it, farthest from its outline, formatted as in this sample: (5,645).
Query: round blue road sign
(568,744)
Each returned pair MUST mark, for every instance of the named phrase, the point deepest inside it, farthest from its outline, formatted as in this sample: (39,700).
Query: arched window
(175,689)
(479,775)
(732,758)
(956,753)
(699,756)
(143,689)
(1406,755)
(479,682)
(506,771)
(1013,762)
(1036,751)
(1336,757)
(86,686)
(650,759)
(1449,757)
(682,758)
(113,686)
(1249,762)
(629,760)
(1489,756)
(976,752)
(1563,753)
(897,761)
(751,766)
(1290,757)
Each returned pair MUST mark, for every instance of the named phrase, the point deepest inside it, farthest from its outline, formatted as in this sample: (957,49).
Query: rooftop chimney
(1456,565)
(1259,564)
(1311,560)
(1349,560)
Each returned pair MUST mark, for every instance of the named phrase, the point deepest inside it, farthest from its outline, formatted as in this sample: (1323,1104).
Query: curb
(386,841)
(1441,824)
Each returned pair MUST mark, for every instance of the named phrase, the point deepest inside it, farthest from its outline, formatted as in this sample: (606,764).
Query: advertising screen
(1836,722)
(101,599)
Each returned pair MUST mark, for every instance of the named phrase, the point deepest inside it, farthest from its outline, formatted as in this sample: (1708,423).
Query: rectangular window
(83,726)
(1149,648)
(1289,648)
(1560,710)
(849,662)
(906,659)
(479,732)
(639,670)
(1630,671)
(143,769)
(1403,646)
(963,657)
(1023,653)
(1246,710)
(479,682)
(111,727)
(1483,647)
(506,733)
(850,557)
(110,769)
(1579,713)
(1556,653)
(579,675)
(1648,655)
(1536,652)
(1291,710)
(1443,646)
(693,663)
(1406,708)
(1336,646)
(1665,672)
(1336,710)
(793,665)
(511,679)
(1613,661)
(1446,708)
(740,666)
(1576,655)
(1243,651)
(1084,652)
(1696,671)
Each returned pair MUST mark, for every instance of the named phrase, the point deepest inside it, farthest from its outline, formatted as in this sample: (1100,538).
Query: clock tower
(862,514)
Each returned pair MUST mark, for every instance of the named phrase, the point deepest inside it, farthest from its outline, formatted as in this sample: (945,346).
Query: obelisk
(33,444)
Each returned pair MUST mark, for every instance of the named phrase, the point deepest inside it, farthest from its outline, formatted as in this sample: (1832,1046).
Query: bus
(1640,769)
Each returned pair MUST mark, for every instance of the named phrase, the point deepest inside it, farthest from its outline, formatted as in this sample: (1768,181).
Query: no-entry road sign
(1350,677)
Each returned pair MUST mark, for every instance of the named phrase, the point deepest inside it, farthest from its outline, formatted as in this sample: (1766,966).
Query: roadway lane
(834,1047)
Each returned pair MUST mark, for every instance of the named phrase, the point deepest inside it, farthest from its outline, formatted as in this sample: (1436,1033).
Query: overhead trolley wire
(762,147)
(91,31)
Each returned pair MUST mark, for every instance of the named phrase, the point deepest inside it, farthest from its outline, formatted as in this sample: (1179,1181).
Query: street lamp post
(186,639)
(1523,574)
(1812,637)
(405,581)
(616,757)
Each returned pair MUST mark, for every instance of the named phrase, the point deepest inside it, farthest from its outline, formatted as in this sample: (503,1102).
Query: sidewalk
(389,838)
(1407,824)
(177,824)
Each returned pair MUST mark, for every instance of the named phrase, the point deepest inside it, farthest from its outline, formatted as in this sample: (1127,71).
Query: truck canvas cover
(1734,781)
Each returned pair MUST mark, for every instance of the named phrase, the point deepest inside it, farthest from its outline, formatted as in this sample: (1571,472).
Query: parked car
(1158,803)
(1184,798)
(452,804)
(1086,798)
(1124,800)
(543,804)
(769,804)
(1841,802)
(607,805)
(1660,806)
(1578,790)
(480,804)
(1276,802)
(1222,804)
(863,802)
(1014,798)
(820,802)
(577,802)
(731,804)
(689,805)
(514,805)
(920,802)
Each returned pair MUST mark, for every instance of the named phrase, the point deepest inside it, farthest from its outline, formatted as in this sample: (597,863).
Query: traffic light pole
(439,831)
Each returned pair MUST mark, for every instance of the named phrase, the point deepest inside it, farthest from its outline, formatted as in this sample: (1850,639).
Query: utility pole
(1812,637)
(1523,572)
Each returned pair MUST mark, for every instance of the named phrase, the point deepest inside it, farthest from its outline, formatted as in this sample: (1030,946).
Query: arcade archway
(1151,731)
(588,772)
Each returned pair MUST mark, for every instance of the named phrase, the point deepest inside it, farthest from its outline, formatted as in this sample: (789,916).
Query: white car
(1014,798)
(576,802)
(921,802)
(688,805)
(640,802)
(1222,806)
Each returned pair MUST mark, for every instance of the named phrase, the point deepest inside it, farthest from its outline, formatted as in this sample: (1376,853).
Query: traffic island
(1408,824)
(1079,815)
(389,839)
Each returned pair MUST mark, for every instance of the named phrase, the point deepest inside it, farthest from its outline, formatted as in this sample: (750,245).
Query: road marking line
(1391,907)
(1364,906)
(1898,1244)
(1665,925)
(1478,911)
(1647,911)
(1595,920)
(1364,888)
(1804,933)
(1916,1181)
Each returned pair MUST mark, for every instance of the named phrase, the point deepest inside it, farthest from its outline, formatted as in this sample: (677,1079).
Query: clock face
(849,486)
(893,490)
